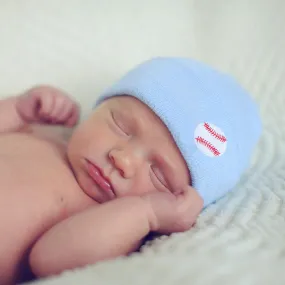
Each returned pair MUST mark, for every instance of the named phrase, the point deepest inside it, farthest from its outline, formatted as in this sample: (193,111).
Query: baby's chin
(75,167)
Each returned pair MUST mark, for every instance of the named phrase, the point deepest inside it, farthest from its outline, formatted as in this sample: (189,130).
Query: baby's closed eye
(158,178)
(121,124)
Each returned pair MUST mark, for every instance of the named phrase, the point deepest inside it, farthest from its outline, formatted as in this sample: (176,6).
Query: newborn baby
(170,138)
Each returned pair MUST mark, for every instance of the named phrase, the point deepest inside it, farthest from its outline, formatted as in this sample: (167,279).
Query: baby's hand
(173,212)
(45,104)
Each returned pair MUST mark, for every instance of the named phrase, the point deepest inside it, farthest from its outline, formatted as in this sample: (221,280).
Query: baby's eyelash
(157,178)
(119,126)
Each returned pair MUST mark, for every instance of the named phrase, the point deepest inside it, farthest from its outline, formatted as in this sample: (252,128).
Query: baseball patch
(210,139)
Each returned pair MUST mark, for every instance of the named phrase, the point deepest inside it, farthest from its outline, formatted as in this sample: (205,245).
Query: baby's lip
(98,177)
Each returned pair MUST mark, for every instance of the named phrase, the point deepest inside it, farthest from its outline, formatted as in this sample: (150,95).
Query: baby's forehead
(132,111)
(125,101)
(131,107)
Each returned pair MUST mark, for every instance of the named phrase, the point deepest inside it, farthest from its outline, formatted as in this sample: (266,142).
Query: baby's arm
(113,229)
(41,105)
(10,120)
(107,231)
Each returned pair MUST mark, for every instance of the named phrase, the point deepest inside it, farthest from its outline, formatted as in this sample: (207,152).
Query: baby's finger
(59,109)
(46,105)
(65,113)
(73,119)
(177,191)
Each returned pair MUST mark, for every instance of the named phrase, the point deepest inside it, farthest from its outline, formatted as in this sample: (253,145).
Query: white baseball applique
(210,139)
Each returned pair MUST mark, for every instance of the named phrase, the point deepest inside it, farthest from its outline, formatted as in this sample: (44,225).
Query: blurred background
(84,45)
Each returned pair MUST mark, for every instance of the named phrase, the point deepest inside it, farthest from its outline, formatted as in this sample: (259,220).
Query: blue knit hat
(213,121)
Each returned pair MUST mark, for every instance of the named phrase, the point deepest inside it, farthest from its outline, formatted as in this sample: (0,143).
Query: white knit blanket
(82,46)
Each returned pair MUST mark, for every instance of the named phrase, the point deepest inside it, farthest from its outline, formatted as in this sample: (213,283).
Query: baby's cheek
(142,186)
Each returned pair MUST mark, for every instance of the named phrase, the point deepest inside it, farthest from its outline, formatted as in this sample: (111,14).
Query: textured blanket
(83,45)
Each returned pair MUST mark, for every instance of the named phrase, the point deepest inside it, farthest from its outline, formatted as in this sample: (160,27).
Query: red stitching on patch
(208,145)
(214,133)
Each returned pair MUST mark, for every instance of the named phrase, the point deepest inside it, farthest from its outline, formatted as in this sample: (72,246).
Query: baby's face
(124,149)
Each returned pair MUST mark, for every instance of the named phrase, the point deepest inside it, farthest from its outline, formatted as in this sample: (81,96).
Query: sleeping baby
(164,142)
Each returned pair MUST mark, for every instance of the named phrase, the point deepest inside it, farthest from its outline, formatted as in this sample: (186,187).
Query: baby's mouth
(97,176)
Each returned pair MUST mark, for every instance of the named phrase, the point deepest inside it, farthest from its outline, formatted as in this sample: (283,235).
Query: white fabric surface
(82,46)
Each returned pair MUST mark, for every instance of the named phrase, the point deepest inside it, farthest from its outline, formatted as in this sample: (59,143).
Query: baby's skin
(74,194)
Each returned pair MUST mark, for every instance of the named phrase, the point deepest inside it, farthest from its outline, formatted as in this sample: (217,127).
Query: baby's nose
(125,161)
